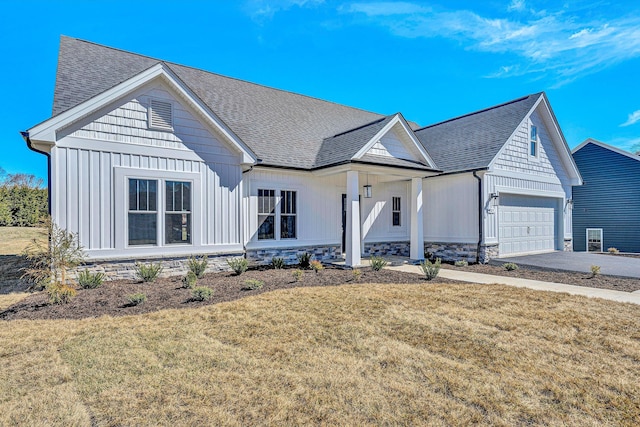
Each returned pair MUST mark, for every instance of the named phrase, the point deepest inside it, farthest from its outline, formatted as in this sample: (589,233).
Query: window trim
(277,232)
(601,239)
(294,214)
(399,211)
(273,213)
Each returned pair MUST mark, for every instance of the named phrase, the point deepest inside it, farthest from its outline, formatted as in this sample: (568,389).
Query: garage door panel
(527,224)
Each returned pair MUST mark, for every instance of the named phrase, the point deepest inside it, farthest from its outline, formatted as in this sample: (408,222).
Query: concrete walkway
(466,276)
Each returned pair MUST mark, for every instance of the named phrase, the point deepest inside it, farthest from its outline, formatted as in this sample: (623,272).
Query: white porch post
(417,224)
(352,238)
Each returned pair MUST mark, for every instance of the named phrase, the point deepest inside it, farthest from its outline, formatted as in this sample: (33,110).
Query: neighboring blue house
(606,208)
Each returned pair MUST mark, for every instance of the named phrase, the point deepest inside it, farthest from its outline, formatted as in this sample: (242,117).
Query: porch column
(352,238)
(417,224)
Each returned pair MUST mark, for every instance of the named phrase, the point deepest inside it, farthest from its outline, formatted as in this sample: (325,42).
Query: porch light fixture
(569,202)
(367,189)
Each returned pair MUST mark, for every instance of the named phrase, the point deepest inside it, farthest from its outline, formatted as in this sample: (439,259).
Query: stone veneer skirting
(460,251)
(387,249)
(171,266)
(290,255)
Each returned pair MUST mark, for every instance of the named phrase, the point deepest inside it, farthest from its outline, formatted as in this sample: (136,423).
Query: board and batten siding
(85,161)
(608,199)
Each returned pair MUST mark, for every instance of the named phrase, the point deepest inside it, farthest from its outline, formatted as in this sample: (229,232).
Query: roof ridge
(480,111)
(361,127)
(221,75)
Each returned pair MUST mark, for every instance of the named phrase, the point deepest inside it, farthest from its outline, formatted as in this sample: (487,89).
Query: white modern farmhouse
(154,160)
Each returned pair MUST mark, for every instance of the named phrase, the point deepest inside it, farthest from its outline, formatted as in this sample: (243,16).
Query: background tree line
(23,200)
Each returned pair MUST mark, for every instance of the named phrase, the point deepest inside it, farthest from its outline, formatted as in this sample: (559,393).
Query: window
(143,214)
(177,222)
(287,214)
(395,211)
(533,143)
(594,240)
(160,115)
(266,214)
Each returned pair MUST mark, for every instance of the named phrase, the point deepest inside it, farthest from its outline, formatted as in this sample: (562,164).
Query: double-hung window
(395,211)
(277,223)
(143,212)
(533,141)
(177,222)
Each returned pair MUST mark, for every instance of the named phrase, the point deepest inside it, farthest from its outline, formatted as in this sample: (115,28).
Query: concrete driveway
(580,262)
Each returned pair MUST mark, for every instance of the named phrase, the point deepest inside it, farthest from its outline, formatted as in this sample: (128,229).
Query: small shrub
(252,285)
(238,265)
(357,274)
(461,263)
(595,270)
(613,251)
(198,265)
(297,274)
(60,293)
(202,293)
(304,260)
(510,266)
(189,281)
(430,269)
(137,298)
(377,263)
(88,280)
(277,262)
(316,266)
(148,272)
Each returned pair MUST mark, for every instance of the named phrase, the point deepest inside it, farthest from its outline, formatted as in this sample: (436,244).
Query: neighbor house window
(266,214)
(594,240)
(143,212)
(177,222)
(533,142)
(288,214)
(395,211)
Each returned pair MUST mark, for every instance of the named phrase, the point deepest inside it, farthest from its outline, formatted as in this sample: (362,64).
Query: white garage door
(527,224)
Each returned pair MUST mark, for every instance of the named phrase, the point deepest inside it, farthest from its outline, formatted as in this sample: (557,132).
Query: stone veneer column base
(451,251)
(171,266)
(568,245)
(290,255)
(489,252)
(387,248)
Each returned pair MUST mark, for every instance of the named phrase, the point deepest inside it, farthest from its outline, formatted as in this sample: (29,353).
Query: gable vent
(160,115)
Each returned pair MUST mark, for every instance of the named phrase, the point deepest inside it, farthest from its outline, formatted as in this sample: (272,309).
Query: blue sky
(429,60)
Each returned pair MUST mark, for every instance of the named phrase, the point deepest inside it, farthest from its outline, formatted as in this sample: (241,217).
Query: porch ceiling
(385,173)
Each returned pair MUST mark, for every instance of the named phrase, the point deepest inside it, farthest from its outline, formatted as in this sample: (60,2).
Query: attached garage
(527,224)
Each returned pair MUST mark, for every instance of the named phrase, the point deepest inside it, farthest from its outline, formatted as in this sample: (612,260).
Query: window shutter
(160,115)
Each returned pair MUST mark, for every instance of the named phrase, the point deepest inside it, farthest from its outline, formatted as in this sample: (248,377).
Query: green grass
(13,240)
(349,355)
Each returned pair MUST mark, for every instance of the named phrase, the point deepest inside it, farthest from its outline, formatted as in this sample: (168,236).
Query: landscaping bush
(202,293)
(148,272)
(238,265)
(430,269)
(613,251)
(189,281)
(137,298)
(377,263)
(461,263)
(510,266)
(277,262)
(595,270)
(316,266)
(357,274)
(252,285)
(304,260)
(88,280)
(60,293)
(297,274)
(198,265)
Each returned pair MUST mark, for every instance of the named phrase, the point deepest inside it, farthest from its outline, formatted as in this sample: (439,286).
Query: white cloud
(265,9)
(632,119)
(517,5)
(549,43)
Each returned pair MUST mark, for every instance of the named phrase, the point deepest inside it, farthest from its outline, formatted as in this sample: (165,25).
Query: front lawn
(362,354)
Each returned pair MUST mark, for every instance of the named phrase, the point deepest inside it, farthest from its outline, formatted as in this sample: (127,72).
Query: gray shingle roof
(473,140)
(281,128)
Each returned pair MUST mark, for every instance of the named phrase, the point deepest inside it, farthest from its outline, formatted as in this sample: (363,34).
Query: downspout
(25,136)
(480,227)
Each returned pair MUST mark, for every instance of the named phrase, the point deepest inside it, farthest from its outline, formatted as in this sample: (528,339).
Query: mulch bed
(111,298)
(549,275)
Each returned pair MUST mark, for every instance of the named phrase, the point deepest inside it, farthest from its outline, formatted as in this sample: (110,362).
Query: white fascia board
(46,132)
(396,119)
(607,147)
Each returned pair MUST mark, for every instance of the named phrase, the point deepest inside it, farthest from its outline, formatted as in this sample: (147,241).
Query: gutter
(480,231)
(25,136)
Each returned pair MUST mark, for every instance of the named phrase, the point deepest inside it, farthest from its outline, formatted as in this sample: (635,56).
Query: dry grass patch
(15,239)
(348,355)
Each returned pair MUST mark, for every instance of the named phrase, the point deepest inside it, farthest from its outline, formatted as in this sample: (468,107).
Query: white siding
(451,209)
(377,225)
(395,143)
(84,164)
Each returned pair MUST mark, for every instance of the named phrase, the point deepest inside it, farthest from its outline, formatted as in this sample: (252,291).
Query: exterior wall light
(368,193)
